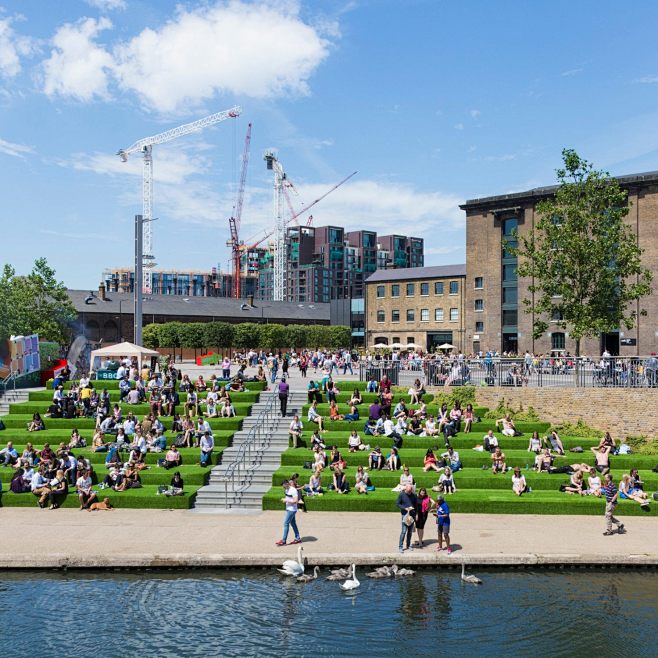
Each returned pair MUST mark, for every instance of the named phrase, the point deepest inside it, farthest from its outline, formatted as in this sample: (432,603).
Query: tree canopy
(35,304)
(582,258)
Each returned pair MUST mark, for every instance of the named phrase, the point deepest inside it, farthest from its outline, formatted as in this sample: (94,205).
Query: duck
(351,584)
(307,577)
(339,574)
(468,578)
(292,568)
(404,572)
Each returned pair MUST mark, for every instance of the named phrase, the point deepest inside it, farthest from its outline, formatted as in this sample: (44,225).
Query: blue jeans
(205,458)
(455,467)
(274,376)
(289,522)
(407,531)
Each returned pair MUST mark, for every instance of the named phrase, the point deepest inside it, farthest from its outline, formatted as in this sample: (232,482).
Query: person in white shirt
(227,410)
(519,485)
(206,444)
(129,426)
(85,493)
(594,483)
(291,500)
(295,431)
(354,442)
(430,427)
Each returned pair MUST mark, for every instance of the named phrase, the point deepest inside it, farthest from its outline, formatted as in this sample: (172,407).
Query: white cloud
(475,113)
(459,126)
(261,50)
(77,65)
(107,5)
(648,79)
(15,150)
(571,72)
(12,48)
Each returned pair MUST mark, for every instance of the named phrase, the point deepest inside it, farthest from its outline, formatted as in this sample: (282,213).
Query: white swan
(468,578)
(307,577)
(292,568)
(404,572)
(351,584)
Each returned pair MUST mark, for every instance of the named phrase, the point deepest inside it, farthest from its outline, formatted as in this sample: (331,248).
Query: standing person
(284,391)
(611,494)
(443,524)
(422,511)
(291,499)
(407,503)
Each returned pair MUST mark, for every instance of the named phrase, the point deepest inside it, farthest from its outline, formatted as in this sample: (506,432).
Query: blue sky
(432,102)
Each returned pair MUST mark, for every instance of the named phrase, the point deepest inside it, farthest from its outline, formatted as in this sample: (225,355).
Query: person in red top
(385,384)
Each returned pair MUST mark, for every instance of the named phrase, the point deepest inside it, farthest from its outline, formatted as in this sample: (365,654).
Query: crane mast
(145,147)
(274,165)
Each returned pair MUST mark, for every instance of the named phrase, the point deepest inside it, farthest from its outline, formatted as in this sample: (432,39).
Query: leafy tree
(582,259)
(247,335)
(274,336)
(297,336)
(169,334)
(151,336)
(192,334)
(339,336)
(219,334)
(35,304)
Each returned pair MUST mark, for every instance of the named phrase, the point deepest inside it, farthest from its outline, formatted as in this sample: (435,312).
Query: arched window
(111,331)
(92,330)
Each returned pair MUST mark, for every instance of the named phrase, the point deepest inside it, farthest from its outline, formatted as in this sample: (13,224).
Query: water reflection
(244,613)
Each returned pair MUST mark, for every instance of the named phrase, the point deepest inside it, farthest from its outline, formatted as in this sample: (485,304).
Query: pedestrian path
(248,484)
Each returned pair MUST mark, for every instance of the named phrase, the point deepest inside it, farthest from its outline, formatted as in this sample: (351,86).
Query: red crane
(234,220)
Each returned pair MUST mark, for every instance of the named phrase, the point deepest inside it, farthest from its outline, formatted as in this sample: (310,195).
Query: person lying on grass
(628,492)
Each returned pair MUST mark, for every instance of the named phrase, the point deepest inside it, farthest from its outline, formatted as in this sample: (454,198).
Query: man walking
(284,391)
(443,524)
(291,499)
(407,504)
(611,496)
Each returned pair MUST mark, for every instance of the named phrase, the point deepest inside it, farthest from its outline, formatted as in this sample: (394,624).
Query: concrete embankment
(157,539)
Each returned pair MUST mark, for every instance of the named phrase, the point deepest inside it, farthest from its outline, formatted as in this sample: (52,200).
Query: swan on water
(351,584)
(468,578)
(307,577)
(339,574)
(404,572)
(381,572)
(292,568)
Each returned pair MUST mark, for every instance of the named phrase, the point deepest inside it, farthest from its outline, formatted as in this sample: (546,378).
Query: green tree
(151,336)
(274,336)
(219,334)
(169,334)
(339,336)
(35,304)
(582,260)
(247,336)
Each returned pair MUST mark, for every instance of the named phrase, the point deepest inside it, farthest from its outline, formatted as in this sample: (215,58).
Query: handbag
(408,520)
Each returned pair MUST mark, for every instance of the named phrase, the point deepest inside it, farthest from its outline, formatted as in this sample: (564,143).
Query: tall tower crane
(145,147)
(234,220)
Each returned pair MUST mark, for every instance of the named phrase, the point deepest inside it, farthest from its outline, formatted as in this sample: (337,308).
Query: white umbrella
(413,346)
(446,346)
(378,346)
(396,346)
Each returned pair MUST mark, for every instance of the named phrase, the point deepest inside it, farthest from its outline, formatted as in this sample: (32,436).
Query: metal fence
(247,458)
(567,372)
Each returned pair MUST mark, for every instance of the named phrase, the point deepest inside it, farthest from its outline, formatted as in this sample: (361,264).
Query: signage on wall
(628,341)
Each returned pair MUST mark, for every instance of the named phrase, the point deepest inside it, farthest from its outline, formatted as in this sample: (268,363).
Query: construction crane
(234,220)
(145,147)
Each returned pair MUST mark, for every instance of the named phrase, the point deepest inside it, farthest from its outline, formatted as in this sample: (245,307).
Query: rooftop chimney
(101,291)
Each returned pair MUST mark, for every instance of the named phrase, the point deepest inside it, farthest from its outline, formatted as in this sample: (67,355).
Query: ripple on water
(244,613)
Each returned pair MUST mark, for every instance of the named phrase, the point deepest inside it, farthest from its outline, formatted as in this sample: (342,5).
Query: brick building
(495,317)
(421,305)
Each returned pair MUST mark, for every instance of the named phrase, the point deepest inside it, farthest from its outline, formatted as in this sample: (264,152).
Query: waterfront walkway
(34,538)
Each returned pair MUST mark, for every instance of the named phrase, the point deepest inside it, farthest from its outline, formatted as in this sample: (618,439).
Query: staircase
(12,397)
(246,492)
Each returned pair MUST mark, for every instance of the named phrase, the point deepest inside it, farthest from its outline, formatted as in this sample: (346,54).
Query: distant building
(172,282)
(420,305)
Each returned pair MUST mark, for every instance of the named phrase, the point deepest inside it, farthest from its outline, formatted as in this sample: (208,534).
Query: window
(438,315)
(510,318)
(380,291)
(424,288)
(454,287)
(557,341)
(411,339)
(509,273)
(479,304)
(479,327)
(479,282)
(509,225)
(395,317)
(395,290)
(438,287)
(424,315)
(411,315)
(557,316)
(411,287)
(454,314)
(396,339)
(381,316)
(510,295)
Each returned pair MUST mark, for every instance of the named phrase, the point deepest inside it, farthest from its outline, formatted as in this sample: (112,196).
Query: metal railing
(249,450)
(567,372)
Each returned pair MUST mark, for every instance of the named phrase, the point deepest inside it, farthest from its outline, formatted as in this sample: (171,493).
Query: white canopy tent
(119,351)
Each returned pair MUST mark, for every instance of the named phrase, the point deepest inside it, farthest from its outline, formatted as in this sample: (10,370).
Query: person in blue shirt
(443,523)
(407,504)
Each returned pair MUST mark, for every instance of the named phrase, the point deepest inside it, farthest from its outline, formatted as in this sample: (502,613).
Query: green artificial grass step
(146,497)
(111,384)
(16,421)
(468,478)
(413,457)
(241,409)
(467,501)
(47,396)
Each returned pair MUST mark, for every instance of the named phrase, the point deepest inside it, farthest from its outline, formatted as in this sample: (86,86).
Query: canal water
(259,613)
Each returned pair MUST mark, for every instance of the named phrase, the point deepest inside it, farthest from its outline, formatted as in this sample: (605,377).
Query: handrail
(238,468)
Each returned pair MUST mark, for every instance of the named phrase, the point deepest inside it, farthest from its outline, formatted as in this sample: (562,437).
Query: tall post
(137,288)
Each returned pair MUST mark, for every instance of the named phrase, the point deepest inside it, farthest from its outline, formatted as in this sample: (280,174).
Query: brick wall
(622,412)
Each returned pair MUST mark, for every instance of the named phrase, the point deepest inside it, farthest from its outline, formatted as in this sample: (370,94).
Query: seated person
(544,461)
(507,424)
(576,484)
(333,411)
(227,410)
(386,402)
(406,478)
(336,460)
(177,484)
(353,415)
(469,418)
(626,491)
(498,461)
(376,459)
(593,483)
(421,412)
(37,424)
(211,410)
(313,391)
(356,397)
(340,481)
(372,386)
(430,462)
(314,486)
(446,482)
(400,410)
(602,456)
(416,392)
(534,445)
(173,458)
(316,439)
(362,481)
(295,431)
(414,427)
(9,455)
(391,432)
(556,442)
(319,457)
(607,440)
(452,457)
(315,417)
(519,486)
(430,427)
(490,441)
(375,410)
(393,462)
(354,442)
